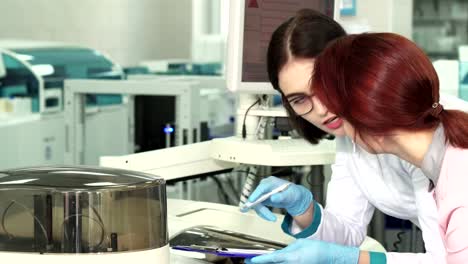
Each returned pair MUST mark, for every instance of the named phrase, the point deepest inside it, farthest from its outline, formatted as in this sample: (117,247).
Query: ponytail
(455,124)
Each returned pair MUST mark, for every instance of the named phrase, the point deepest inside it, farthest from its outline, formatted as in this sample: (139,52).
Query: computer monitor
(251,23)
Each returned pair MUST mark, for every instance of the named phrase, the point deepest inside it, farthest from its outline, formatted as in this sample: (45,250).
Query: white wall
(175,23)
(128,30)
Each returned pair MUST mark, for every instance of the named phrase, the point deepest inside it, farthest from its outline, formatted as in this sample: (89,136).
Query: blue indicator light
(168,130)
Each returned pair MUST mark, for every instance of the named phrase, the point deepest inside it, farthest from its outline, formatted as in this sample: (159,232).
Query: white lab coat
(361,182)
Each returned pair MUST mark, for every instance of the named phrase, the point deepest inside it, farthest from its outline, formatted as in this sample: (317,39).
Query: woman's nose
(319,108)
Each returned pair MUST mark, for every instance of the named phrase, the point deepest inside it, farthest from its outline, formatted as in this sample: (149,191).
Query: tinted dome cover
(81,210)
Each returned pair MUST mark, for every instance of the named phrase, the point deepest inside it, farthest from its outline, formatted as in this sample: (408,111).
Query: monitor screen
(251,24)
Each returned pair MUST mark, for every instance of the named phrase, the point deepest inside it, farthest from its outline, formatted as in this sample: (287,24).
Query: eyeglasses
(301,104)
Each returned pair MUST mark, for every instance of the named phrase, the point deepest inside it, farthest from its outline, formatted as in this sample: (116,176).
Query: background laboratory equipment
(57,211)
(440,27)
(463,72)
(32,127)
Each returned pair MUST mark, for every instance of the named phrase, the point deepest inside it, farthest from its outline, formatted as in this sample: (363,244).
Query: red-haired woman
(387,91)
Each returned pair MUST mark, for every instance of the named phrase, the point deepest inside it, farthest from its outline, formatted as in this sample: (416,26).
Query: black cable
(221,189)
(310,174)
(278,171)
(400,234)
(231,185)
(244,129)
(66,219)
(95,248)
(399,241)
(101,223)
(244,171)
(12,202)
(4,217)
(233,189)
(308,178)
(262,176)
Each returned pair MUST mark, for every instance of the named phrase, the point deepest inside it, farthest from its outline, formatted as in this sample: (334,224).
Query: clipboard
(224,252)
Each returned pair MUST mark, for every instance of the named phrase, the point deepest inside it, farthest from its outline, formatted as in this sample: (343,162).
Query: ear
(381,139)
(384,141)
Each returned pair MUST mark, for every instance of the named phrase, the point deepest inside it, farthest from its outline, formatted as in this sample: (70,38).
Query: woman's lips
(334,123)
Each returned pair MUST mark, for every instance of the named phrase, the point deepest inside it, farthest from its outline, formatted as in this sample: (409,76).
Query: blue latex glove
(311,252)
(296,199)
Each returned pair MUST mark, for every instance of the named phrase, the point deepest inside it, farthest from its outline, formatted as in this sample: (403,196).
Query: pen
(264,197)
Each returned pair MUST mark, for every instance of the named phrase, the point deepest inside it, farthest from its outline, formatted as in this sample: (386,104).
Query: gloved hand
(296,199)
(311,252)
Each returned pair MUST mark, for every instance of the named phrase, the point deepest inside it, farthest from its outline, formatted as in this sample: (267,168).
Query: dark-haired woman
(360,181)
(387,91)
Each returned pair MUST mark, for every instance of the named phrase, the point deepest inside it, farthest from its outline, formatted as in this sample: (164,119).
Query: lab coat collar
(434,156)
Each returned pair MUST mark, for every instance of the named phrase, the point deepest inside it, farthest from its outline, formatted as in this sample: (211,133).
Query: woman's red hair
(382,82)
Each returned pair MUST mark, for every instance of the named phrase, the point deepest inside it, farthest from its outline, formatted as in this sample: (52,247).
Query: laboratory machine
(82,214)
(155,115)
(32,123)
(182,67)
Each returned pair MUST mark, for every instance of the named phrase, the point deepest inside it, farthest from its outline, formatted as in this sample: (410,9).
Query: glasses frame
(306,97)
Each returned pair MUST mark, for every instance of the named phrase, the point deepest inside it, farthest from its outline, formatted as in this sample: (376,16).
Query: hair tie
(436,109)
